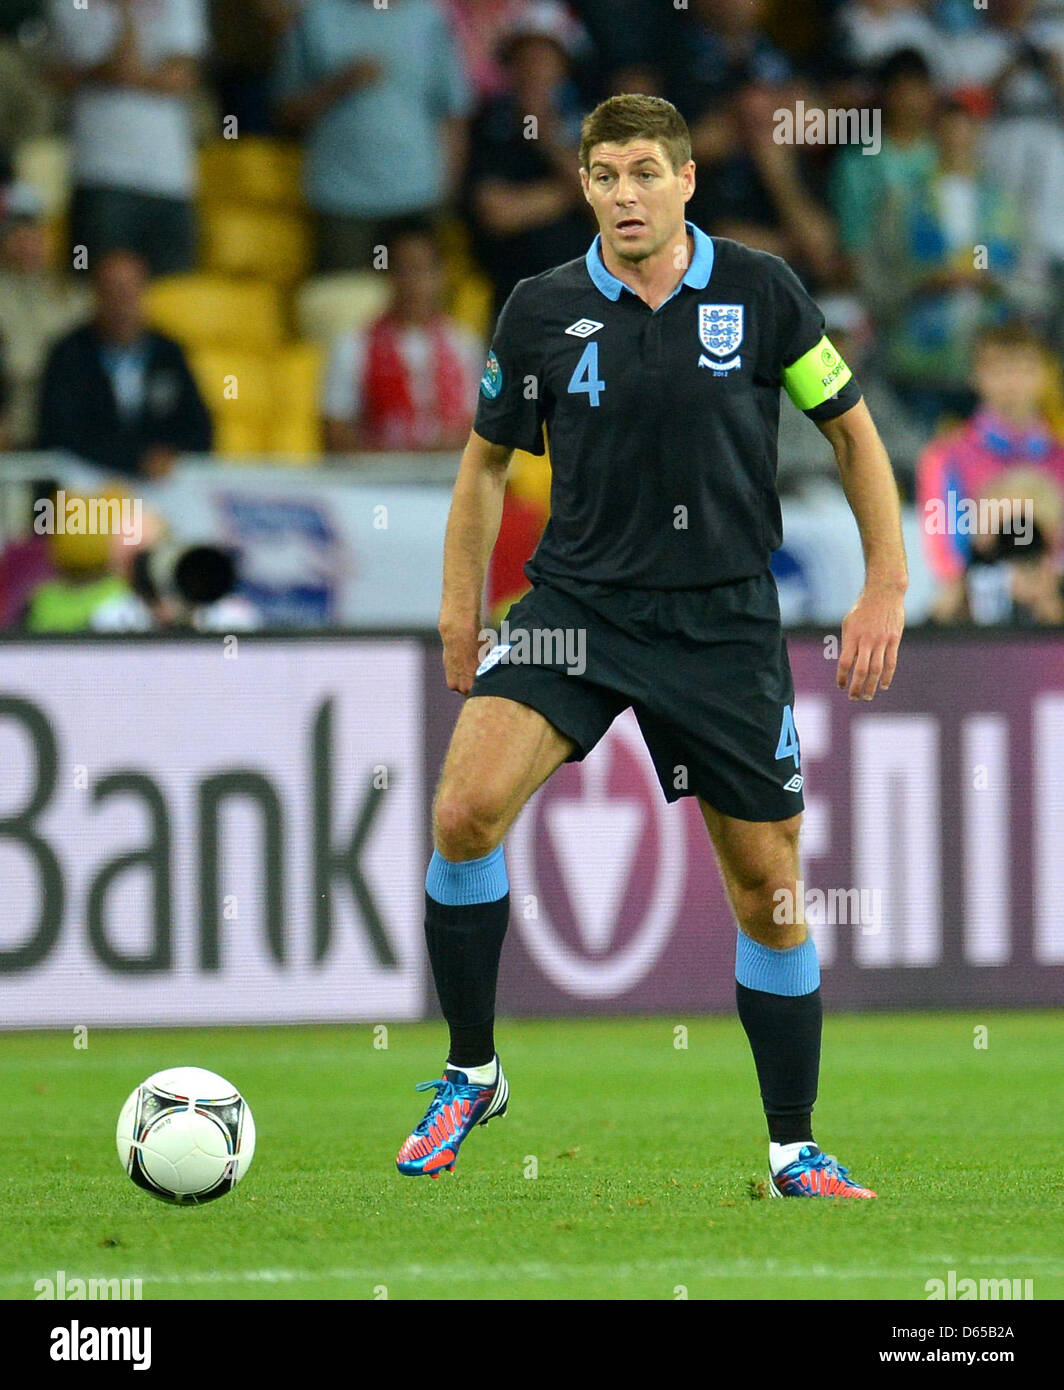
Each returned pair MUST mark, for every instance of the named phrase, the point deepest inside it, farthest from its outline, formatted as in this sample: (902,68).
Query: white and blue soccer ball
(186,1136)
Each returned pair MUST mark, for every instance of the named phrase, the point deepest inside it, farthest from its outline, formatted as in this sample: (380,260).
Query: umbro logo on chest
(583,328)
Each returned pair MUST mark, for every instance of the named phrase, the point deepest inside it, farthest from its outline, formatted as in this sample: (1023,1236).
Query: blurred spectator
(27,102)
(946,262)
(874,30)
(956,16)
(409,381)
(16,15)
(25,557)
(1010,56)
(860,183)
(381,97)
(631,40)
(245,40)
(1007,431)
(3,397)
(132,66)
(1013,65)
(729,81)
(478,26)
(526,205)
(1036,575)
(758,192)
(115,392)
(36,307)
(802,451)
(722,49)
(1014,574)
(643,78)
(84,582)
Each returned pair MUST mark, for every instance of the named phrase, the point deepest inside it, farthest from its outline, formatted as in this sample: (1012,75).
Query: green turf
(649,1158)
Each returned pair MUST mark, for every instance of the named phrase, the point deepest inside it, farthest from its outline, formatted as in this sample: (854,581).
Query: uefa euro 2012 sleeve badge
(491,381)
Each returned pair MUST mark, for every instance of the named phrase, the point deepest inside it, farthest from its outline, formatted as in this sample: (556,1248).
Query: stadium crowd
(330,205)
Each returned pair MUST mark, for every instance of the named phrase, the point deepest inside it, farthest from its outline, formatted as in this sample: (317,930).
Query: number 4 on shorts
(788,744)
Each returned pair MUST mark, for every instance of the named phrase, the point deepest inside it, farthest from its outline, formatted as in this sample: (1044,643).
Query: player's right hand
(461,654)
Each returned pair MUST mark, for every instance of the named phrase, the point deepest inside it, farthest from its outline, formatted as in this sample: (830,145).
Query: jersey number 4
(585,375)
(788,743)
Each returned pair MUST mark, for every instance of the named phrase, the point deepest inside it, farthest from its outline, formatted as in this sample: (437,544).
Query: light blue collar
(698,272)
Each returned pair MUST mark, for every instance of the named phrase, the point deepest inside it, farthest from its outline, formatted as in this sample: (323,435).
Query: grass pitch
(648,1161)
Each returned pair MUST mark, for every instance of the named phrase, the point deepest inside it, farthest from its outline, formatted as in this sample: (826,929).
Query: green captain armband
(818,375)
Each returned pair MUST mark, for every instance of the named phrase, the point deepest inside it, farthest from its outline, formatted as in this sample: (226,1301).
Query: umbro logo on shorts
(795,784)
(493,657)
(583,328)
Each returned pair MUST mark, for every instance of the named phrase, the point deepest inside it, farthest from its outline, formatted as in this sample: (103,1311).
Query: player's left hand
(871,632)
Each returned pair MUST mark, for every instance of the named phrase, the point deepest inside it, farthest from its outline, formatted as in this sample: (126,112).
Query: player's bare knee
(768,911)
(756,900)
(466,826)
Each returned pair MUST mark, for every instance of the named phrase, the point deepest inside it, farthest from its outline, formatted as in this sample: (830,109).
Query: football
(186,1135)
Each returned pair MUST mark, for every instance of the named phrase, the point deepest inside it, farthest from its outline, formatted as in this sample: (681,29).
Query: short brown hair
(634,116)
(1013,334)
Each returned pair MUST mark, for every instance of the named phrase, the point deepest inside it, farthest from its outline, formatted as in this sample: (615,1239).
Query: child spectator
(1007,431)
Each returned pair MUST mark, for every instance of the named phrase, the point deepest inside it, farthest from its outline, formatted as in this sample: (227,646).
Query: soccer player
(655,364)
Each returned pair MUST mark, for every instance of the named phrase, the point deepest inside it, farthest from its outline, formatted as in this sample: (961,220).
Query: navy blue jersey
(662,424)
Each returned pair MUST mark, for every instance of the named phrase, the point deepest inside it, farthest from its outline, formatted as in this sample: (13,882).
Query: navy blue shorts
(705,671)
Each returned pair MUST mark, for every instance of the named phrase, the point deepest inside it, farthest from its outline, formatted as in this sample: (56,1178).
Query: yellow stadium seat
(262,242)
(471,304)
(297,440)
(263,403)
(234,381)
(204,310)
(252,169)
(452,235)
(331,304)
(296,426)
(240,436)
(297,370)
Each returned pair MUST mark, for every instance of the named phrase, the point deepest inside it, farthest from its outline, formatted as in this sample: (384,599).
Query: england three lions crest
(720,328)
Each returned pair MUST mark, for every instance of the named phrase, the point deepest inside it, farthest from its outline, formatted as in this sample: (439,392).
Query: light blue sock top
(469,882)
(795,970)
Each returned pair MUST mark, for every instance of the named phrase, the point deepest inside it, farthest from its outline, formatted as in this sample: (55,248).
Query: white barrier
(362,546)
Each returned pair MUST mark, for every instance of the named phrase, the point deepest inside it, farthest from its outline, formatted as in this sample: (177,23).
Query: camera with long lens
(182,578)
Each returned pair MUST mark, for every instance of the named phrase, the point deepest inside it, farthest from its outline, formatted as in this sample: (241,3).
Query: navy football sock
(467,909)
(778,998)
